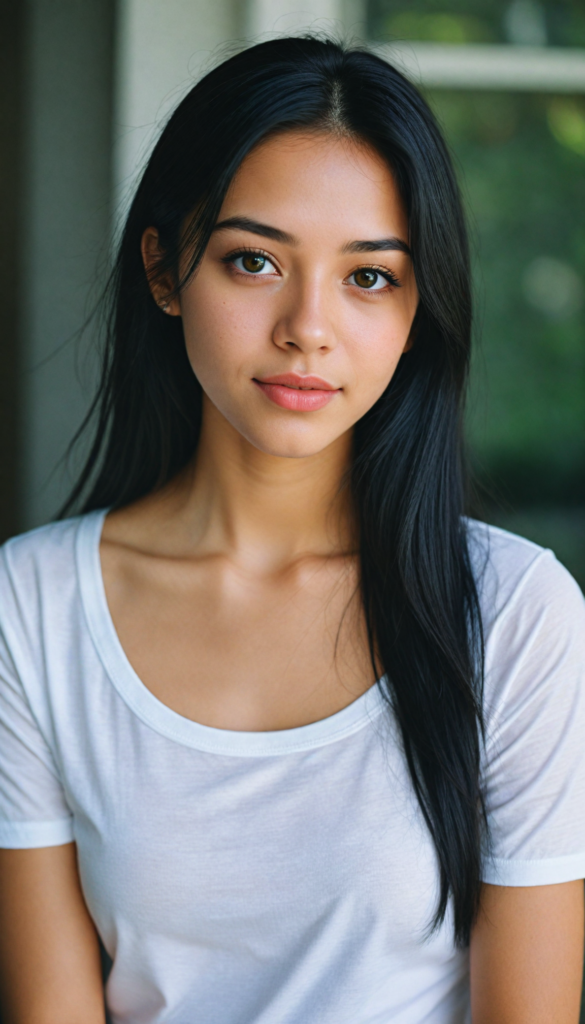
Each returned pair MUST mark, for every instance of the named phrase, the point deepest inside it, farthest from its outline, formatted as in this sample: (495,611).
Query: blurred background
(85,86)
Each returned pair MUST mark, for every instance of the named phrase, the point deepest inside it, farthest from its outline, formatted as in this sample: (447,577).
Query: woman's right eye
(252,263)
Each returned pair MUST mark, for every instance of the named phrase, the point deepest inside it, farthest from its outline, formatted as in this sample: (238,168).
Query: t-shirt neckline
(169,723)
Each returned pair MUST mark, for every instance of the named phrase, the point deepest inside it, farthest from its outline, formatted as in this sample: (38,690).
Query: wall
(66,218)
(161,51)
(11,204)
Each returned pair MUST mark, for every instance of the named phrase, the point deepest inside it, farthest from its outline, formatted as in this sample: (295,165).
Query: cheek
(221,334)
(374,349)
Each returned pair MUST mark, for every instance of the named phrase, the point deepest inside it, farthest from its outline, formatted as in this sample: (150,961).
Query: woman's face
(305,297)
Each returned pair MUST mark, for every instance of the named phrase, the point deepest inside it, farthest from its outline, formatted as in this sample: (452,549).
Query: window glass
(521,162)
(522,22)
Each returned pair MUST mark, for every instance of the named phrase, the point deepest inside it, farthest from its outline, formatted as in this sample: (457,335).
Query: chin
(289,445)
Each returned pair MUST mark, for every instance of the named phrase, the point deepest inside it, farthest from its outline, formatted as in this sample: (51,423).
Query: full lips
(296,399)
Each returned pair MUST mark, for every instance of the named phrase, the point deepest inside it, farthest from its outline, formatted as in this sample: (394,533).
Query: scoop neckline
(152,712)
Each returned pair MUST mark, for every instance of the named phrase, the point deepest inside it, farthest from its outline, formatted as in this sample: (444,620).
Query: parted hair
(407,476)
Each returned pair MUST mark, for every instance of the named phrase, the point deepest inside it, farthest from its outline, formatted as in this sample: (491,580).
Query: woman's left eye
(252,263)
(370,280)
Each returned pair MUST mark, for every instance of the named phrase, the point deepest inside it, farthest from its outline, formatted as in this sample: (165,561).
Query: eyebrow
(378,245)
(277,235)
(254,226)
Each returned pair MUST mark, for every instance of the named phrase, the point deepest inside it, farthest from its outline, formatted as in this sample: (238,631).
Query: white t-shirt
(254,878)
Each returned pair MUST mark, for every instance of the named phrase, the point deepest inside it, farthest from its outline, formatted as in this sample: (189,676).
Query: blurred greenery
(557,22)
(521,163)
(525,192)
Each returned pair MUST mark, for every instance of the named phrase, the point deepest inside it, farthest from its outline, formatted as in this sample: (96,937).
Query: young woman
(298,742)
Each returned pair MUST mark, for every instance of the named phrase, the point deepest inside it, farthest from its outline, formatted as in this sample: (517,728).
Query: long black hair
(418,589)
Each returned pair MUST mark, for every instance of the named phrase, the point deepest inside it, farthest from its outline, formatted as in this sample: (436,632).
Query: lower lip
(295,399)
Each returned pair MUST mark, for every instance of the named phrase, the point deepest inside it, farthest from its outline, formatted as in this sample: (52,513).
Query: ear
(160,287)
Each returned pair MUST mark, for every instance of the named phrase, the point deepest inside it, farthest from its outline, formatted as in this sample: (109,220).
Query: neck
(264,509)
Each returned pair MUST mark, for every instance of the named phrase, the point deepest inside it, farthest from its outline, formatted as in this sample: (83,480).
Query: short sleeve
(534,767)
(33,809)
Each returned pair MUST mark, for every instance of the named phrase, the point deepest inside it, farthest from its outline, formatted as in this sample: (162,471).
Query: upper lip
(296,380)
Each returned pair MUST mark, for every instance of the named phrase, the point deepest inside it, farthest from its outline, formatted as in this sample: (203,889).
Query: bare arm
(527,955)
(49,952)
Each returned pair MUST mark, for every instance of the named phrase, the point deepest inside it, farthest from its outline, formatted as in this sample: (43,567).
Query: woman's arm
(527,955)
(49,953)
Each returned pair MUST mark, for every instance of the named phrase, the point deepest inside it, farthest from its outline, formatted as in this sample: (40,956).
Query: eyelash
(382,271)
(245,251)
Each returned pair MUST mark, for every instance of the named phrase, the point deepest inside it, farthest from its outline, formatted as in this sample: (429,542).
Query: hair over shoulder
(407,476)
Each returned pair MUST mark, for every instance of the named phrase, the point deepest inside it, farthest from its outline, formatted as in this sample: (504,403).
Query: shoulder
(534,629)
(42,611)
(38,572)
(533,758)
(27,559)
(517,579)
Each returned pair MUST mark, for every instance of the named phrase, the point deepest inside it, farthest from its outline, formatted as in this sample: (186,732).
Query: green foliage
(525,191)
(475,21)
(522,172)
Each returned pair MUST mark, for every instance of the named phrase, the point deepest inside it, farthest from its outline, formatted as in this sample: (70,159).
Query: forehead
(318,184)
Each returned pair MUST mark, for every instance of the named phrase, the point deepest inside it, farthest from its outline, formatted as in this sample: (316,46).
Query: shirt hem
(27,835)
(534,872)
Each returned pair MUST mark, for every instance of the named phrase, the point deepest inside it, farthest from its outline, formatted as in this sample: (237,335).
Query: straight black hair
(407,478)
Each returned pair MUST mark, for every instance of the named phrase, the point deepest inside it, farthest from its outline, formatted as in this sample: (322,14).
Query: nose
(305,323)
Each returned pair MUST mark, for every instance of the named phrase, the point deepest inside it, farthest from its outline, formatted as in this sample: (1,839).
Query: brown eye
(372,280)
(365,278)
(253,262)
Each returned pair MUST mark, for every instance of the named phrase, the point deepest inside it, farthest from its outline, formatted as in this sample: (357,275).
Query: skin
(245,565)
